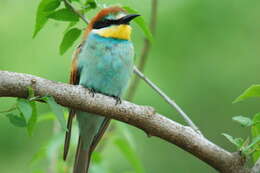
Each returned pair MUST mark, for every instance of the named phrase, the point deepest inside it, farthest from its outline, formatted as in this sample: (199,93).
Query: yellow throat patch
(118,31)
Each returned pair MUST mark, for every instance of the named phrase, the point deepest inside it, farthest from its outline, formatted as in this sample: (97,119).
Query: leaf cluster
(246,146)
(24,112)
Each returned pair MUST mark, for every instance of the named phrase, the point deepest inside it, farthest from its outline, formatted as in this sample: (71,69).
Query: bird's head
(112,22)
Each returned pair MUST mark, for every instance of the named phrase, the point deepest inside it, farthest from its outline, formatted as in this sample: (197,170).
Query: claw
(92,92)
(118,100)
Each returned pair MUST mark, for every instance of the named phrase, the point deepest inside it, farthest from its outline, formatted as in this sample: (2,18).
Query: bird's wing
(74,80)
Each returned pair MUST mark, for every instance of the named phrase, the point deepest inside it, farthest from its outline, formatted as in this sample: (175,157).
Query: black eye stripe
(104,23)
(107,22)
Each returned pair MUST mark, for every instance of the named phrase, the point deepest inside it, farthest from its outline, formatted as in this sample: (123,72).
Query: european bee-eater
(102,63)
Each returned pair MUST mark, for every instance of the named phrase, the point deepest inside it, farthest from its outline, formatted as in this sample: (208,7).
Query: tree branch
(68,4)
(143,117)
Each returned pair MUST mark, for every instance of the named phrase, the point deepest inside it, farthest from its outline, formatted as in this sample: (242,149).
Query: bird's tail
(82,159)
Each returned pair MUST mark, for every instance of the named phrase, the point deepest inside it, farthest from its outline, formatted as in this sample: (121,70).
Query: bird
(103,63)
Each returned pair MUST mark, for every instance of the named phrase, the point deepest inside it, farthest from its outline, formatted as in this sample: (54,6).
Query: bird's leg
(118,100)
(92,92)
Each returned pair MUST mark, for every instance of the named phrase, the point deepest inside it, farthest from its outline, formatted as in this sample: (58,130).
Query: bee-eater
(102,63)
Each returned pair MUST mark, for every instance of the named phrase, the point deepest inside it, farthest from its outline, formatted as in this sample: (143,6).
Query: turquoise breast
(106,64)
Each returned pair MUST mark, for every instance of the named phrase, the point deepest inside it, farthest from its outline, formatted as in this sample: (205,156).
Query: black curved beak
(126,19)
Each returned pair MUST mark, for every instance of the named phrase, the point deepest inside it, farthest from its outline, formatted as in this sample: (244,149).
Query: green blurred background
(204,55)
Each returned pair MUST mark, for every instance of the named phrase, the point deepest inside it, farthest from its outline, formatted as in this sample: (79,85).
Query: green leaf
(255,141)
(238,142)
(245,144)
(69,38)
(256,153)
(64,14)
(244,121)
(71,24)
(33,120)
(16,120)
(130,154)
(252,91)
(58,111)
(251,147)
(256,125)
(90,4)
(25,108)
(255,131)
(141,23)
(52,5)
(41,16)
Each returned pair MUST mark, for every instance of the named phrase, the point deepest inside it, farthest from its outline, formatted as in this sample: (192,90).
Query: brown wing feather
(74,80)
(100,133)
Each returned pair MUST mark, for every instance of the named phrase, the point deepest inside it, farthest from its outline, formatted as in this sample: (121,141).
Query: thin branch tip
(168,100)
(67,3)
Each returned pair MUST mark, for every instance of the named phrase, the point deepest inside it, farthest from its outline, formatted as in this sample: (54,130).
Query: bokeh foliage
(205,54)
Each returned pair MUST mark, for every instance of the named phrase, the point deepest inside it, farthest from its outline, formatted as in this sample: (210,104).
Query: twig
(144,55)
(143,117)
(75,11)
(168,100)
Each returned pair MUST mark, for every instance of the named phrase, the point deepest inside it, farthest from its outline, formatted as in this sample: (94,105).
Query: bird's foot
(92,92)
(118,100)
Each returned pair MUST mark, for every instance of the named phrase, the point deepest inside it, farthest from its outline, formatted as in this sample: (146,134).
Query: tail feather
(88,139)
(68,134)
(82,159)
